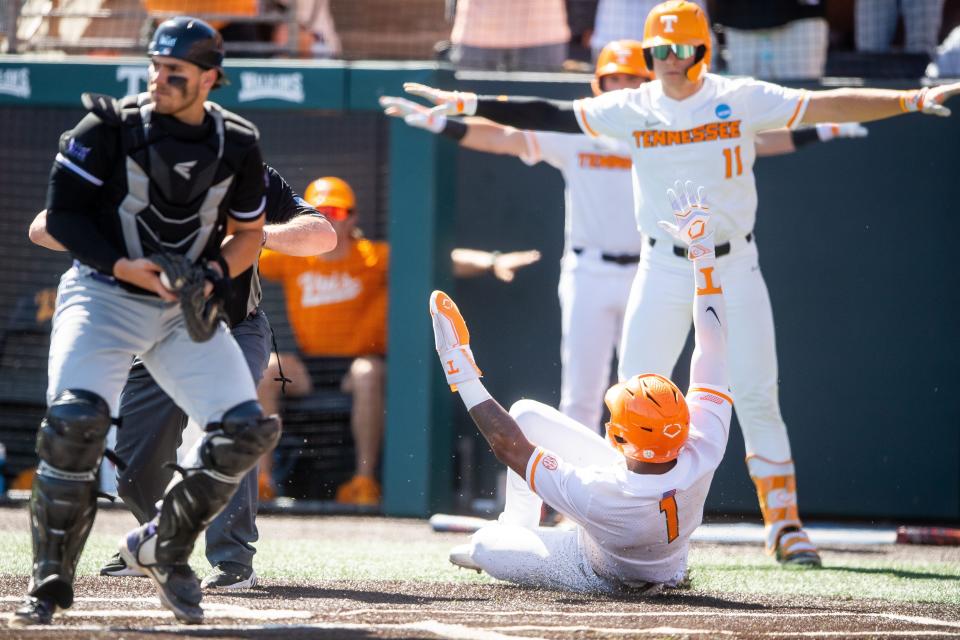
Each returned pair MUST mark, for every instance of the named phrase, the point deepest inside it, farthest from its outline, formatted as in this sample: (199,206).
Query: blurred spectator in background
(507,35)
(622,20)
(876,23)
(317,35)
(774,39)
(580,18)
(337,308)
(946,62)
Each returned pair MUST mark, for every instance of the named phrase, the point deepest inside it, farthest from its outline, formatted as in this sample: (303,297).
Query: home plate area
(477,612)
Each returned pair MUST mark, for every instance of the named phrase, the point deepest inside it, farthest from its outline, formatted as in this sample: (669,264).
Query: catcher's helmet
(649,418)
(620,56)
(330,192)
(679,22)
(190,39)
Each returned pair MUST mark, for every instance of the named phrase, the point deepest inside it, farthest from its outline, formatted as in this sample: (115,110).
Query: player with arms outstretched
(635,497)
(689,122)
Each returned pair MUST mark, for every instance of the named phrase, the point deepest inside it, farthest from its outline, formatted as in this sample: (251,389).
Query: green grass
(715,569)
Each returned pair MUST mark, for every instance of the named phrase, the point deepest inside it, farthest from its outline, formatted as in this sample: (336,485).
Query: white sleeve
(559,484)
(770,106)
(710,413)
(608,114)
(548,146)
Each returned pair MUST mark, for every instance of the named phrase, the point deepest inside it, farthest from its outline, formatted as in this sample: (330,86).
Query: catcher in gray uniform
(153,424)
(140,184)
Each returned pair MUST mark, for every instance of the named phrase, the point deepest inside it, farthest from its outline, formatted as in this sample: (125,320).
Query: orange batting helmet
(679,22)
(331,196)
(649,418)
(620,56)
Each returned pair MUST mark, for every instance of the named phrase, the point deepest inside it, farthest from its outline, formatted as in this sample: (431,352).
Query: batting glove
(929,99)
(454,103)
(415,115)
(692,216)
(452,340)
(827,131)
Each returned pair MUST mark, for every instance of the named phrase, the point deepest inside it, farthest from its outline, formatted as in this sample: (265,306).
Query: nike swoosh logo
(714,312)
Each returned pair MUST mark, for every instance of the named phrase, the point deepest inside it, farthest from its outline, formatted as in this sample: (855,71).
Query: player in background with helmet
(636,496)
(153,424)
(689,122)
(602,243)
(159,173)
(337,308)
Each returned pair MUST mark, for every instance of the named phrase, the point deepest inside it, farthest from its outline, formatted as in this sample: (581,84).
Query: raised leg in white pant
(515,549)
(592,303)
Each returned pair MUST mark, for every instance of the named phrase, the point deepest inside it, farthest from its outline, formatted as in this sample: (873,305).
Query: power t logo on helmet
(680,27)
(620,57)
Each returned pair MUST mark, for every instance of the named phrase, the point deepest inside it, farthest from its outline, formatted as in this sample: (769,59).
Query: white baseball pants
(515,549)
(658,320)
(593,300)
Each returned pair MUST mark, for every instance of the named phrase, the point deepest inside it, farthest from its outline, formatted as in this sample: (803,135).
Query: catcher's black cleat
(177,584)
(34,611)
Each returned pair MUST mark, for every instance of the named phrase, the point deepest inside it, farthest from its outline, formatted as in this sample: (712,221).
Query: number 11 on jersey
(668,507)
(731,156)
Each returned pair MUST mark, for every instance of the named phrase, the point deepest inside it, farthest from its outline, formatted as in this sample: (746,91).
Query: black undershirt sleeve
(530,113)
(283,203)
(87,155)
(250,193)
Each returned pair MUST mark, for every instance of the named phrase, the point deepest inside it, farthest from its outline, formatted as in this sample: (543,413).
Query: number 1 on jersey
(729,155)
(668,507)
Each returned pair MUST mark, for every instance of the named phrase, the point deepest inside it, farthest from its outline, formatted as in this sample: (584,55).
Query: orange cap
(622,56)
(679,22)
(649,418)
(330,192)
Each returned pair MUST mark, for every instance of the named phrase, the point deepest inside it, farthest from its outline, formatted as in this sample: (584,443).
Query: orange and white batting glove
(929,99)
(452,340)
(415,115)
(827,131)
(693,226)
(454,103)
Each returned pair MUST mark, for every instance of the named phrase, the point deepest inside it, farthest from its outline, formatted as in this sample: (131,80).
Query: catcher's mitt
(187,280)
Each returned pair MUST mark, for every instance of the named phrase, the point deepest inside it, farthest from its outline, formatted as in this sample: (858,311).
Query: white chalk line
(919,620)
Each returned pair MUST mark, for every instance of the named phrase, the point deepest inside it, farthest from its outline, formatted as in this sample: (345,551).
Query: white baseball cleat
(460,556)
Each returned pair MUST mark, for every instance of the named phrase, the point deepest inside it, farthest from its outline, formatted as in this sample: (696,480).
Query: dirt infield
(304,608)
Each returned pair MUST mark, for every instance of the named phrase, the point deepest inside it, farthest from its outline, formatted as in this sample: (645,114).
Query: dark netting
(303,145)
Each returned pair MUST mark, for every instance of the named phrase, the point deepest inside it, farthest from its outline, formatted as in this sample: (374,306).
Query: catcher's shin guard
(70,445)
(777,491)
(227,452)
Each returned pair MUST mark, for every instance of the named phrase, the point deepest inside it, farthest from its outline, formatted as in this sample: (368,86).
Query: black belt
(616,258)
(719,250)
(97,275)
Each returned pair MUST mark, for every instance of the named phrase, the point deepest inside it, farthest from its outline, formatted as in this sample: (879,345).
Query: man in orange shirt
(337,307)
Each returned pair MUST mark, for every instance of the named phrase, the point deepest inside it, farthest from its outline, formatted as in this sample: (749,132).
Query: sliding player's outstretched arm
(452,340)
(694,229)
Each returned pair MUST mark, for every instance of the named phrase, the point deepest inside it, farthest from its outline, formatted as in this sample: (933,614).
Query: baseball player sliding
(689,122)
(635,497)
(602,243)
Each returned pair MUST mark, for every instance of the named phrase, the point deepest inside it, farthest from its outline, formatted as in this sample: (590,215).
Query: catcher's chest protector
(172,188)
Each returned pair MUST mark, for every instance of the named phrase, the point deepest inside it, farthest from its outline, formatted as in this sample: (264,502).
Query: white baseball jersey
(598,194)
(636,528)
(708,138)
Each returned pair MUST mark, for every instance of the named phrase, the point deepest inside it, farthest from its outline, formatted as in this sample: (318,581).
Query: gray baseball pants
(151,434)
